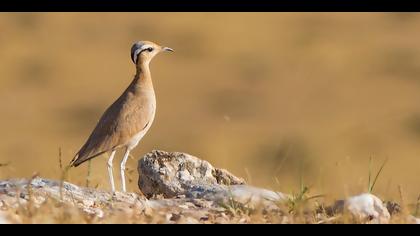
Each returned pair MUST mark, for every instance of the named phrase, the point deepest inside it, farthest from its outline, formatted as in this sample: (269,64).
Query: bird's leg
(125,158)
(111,176)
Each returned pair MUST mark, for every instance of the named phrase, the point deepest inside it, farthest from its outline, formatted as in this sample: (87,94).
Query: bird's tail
(74,160)
(79,159)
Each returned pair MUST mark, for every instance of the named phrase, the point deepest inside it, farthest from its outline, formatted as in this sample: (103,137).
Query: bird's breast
(147,116)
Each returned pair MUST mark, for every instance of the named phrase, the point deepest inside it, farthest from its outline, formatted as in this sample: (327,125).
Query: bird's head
(144,51)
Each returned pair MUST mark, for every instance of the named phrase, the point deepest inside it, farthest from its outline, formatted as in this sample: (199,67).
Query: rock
(97,204)
(393,207)
(245,194)
(413,220)
(191,190)
(175,174)
(3,218)
(363,208)
(367,208)
(15,193)
(180,188)
(38,190)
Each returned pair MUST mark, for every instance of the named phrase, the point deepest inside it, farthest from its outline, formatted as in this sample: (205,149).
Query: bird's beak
(167,49)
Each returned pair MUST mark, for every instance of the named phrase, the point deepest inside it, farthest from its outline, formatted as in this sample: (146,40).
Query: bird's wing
(125,118)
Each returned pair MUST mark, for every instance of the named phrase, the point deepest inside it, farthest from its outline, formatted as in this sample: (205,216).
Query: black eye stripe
(135,53)
(147,49)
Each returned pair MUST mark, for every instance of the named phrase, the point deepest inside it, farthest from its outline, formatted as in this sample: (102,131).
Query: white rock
(86,199)
(253,194)
(413,220)
(193,188)
(174,173)
(367,207)
(186,175)
(4,218)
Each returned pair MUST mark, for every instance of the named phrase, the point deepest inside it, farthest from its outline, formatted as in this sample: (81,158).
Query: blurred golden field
(272,97)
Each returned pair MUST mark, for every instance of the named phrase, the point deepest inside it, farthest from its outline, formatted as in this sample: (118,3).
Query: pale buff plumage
(127,120)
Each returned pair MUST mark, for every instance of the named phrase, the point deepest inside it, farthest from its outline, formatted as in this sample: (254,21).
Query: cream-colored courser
(128,119)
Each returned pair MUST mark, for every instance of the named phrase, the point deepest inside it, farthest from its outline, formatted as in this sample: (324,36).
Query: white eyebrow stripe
(146,46)
(137,52)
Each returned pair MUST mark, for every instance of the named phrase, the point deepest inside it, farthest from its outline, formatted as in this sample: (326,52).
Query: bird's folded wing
(120,122)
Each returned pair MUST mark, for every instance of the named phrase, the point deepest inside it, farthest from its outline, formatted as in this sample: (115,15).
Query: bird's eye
(149,49)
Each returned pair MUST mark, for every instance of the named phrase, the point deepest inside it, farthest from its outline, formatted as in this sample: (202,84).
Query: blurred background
(277,98)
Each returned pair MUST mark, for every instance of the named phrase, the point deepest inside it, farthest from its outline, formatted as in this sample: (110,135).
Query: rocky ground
(180,188)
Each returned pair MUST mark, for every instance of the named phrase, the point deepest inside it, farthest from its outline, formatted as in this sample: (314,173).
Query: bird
(127,120)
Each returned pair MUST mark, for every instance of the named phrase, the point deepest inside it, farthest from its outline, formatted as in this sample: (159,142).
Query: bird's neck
(143,78)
